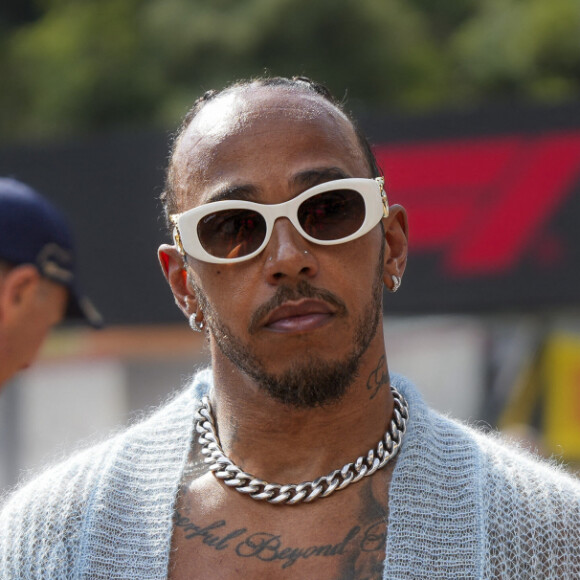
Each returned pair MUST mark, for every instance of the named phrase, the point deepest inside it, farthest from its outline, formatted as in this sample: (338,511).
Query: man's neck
(284,444)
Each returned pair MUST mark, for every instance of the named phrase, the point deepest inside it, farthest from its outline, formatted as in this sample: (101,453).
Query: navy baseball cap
(33,231)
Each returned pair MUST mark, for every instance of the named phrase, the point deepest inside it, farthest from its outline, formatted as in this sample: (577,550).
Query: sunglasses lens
(231,233)
(332,215)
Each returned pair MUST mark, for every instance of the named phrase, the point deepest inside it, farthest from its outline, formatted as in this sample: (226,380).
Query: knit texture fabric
(461,505)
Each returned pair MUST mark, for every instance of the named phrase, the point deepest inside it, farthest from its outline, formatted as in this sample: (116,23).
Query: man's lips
(297,316)
(298,308)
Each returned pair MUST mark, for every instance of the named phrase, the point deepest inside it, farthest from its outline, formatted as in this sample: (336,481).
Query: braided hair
(297,83)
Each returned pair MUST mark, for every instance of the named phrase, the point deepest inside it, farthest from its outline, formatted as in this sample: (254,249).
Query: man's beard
(311,381)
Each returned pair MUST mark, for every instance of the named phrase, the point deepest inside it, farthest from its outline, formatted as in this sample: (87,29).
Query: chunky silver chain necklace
(291,494)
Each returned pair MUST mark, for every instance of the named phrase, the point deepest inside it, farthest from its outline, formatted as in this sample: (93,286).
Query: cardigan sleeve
(464,504)
(533,523)
(41,525)
(106,512)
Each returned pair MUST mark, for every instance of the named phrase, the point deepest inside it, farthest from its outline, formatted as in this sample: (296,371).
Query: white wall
(62,403)
(444,357)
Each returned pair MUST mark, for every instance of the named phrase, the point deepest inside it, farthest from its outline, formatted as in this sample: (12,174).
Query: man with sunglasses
(297,454)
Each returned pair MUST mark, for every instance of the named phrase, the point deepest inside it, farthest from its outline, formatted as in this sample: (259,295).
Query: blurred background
(473,108)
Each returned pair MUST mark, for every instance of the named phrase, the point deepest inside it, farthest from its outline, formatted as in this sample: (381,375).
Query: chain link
(291,494)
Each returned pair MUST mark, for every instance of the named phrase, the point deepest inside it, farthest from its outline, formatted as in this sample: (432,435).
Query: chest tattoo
(271,547)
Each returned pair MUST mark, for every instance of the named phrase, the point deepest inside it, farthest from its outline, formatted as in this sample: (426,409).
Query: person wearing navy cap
(38,281)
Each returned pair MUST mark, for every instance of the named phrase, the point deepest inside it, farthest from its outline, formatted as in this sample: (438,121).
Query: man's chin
(317,383)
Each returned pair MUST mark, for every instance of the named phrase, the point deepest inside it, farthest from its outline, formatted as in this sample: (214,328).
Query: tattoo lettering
(268,547)
(378,378)
(207,535)
(375,538)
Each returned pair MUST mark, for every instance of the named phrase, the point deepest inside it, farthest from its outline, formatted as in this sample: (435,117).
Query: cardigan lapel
(130,524)
(435,526)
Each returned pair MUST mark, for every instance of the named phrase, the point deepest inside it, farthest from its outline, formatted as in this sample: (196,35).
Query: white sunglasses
(334,212)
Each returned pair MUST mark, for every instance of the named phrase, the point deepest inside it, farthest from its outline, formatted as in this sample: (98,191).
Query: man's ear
(397,237)
(173,267)
(17,289)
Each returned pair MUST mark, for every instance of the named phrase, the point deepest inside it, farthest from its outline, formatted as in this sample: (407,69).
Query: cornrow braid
(297,83)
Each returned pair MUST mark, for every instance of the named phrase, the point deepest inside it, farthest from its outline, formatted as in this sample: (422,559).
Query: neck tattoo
(291,494)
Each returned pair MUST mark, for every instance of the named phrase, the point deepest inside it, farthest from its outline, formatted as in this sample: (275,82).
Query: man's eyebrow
(303,180)
(244,192)
(312,177)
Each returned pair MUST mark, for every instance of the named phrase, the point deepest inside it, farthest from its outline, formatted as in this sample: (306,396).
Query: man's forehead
(233,111)
(255,122)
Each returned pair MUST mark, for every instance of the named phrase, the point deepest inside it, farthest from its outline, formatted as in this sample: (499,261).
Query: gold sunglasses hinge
(176,235)
(381,182)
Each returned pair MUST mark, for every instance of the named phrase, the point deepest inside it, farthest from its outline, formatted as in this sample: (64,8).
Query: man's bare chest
(341,540)
(220,549)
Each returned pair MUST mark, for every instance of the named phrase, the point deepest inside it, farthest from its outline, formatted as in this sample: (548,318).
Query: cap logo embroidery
(51,260)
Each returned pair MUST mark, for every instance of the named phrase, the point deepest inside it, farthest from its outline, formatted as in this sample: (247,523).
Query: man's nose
(288,254)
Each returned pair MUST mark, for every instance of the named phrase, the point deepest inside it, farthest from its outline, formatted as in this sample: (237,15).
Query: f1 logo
(481,202)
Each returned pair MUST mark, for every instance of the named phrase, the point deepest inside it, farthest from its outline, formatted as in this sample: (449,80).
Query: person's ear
(18,289)
(396,231)
(173,267)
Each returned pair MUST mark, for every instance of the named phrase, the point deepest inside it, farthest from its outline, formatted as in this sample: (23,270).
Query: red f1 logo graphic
(481,201)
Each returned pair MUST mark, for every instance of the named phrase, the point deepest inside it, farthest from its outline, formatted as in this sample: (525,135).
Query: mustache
(286,293)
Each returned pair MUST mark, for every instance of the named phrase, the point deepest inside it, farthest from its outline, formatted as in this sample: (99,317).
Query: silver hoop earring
(396,284)
(194,324)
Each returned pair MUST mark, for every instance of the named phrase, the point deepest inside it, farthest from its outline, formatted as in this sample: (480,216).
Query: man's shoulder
(502,458)
(49,509)
(531,511)
(91,460)
(508,459)
(466,451)
(58,495)
(478,493)
(136,470)
(510,476)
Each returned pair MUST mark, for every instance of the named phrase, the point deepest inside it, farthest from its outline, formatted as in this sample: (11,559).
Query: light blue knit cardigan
(461,505)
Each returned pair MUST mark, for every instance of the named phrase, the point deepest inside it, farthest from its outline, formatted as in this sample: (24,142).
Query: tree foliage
(71,66)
